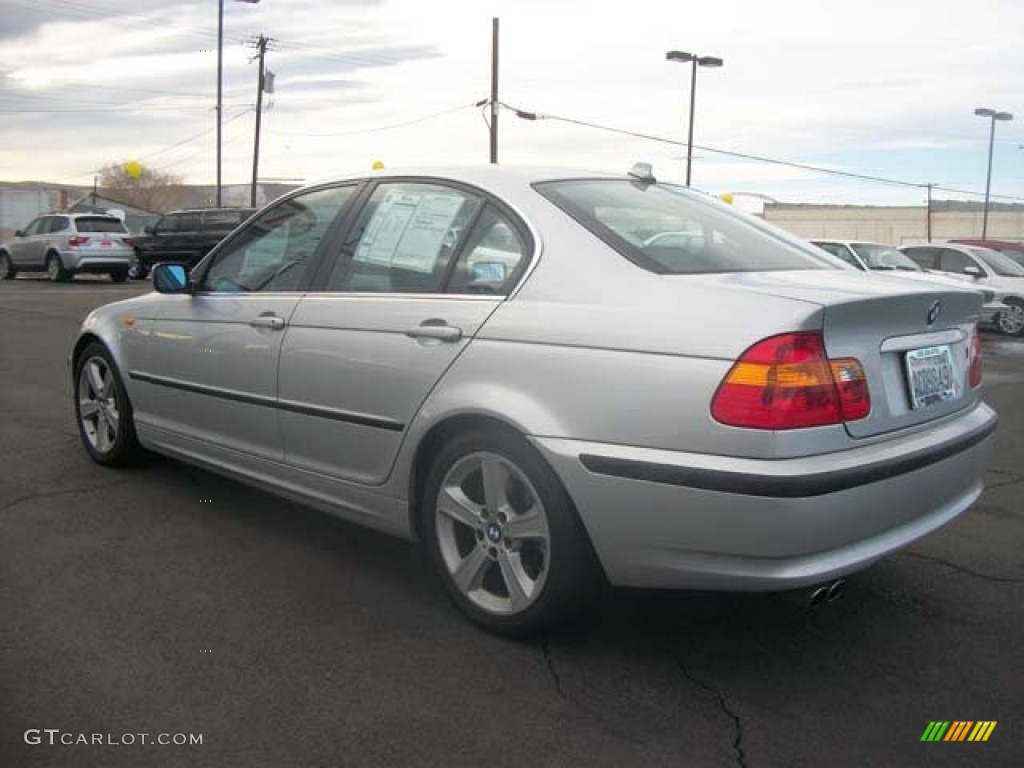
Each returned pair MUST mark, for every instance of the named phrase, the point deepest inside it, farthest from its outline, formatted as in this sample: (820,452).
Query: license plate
(931,376)
(106,243)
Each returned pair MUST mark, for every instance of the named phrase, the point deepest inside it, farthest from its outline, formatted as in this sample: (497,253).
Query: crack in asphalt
(31,496)
(550,664)
(964,569)
(737,742)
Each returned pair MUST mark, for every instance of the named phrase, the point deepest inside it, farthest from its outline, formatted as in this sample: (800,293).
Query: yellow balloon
(378,165)
(133,168)
(726,197)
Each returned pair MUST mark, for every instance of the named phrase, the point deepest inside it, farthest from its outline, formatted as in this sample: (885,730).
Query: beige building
(950,219)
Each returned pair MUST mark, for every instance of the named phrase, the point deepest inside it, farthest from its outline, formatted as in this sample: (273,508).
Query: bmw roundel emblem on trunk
(933,312)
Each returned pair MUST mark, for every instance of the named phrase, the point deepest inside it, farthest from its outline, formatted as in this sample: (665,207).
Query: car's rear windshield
(99,224)
(999,263)
(670,230)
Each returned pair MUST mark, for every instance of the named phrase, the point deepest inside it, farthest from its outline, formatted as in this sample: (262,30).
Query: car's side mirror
(973,271)
(171,278)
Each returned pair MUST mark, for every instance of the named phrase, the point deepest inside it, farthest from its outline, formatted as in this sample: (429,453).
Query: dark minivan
(186,236)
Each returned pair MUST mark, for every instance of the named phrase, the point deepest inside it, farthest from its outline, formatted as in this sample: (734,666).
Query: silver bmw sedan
(552,380)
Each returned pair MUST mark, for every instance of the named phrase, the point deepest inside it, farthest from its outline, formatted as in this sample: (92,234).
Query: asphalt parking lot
(167,600)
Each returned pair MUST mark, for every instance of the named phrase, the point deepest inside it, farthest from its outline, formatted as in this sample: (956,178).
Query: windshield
(998,262)
(670,230)
(99,224)
(884,257)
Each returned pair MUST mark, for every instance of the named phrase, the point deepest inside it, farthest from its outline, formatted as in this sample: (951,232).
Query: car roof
(495,177)
(992,245)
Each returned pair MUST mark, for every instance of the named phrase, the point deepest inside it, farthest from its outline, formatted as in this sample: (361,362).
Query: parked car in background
(885,258)
(508,366)
(1015,250)
(980,267)
(185,236)
(67,244)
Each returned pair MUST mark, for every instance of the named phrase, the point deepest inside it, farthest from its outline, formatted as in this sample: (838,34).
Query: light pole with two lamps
(704,61)
(985,112)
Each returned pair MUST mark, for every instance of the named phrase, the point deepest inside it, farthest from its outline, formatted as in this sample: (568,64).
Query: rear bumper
(98,261)
(681,520)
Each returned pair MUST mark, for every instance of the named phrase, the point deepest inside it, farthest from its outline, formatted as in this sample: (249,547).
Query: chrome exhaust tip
(818,597)
(836,590)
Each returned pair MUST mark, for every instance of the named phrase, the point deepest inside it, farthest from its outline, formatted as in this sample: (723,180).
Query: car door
(211,367)
(28,250)
(416,275)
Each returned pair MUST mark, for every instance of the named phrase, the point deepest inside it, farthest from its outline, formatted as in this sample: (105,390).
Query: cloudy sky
(878,88)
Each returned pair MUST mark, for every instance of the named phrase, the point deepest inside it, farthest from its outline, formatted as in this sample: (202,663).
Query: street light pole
(994,115)
(220,83)
(704,61)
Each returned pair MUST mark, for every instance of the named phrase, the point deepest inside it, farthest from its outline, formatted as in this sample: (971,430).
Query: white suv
(66,244)
(980,267)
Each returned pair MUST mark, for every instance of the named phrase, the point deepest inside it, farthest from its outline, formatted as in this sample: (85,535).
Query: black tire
(7,270)
(572,575)
(55,268)
(119,275)
(121,446)
(1011,322)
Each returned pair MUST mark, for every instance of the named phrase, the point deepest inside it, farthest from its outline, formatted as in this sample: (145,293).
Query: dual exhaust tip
(818,596)
(827,593)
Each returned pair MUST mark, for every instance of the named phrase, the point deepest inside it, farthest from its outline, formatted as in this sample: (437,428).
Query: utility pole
(928,224)
(261,46)
(494,90)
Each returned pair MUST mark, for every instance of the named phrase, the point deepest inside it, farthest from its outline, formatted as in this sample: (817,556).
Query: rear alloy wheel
(7,270)
(55,269)
(102,409)
(1011,319)
(502,534)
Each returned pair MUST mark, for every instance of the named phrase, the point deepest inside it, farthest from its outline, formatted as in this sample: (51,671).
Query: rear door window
(404,239)
(955,261)
(926,258)
(58,224)
(180,222)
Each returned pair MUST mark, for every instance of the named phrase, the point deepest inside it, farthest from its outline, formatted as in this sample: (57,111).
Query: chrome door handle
(268,320)
(447,333)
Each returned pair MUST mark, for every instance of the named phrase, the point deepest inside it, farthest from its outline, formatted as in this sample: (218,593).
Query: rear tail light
(78,240)
(974,360)
(788,382)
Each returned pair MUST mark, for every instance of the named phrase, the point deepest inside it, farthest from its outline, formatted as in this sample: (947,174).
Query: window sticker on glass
(408,230)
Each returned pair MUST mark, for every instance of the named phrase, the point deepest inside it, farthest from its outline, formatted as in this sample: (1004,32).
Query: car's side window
(490,259)
(955,261)
(59,224)
(186,222)
(274,250)
(926,258)
(34,227)
(221,221)
(404,239)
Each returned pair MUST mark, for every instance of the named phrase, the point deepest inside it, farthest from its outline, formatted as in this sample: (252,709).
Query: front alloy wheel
(1011,319)
(103,410)
(502,534)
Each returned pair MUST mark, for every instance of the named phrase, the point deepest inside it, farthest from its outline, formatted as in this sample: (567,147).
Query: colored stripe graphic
(935,730)
(958,730)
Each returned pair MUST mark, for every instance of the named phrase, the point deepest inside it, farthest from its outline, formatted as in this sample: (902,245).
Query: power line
(528,115)
(422,119)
